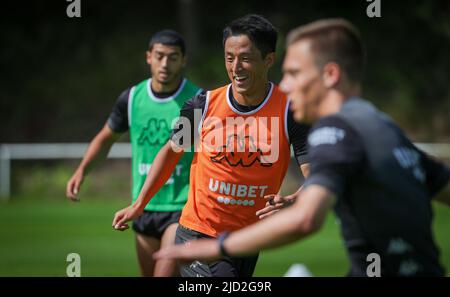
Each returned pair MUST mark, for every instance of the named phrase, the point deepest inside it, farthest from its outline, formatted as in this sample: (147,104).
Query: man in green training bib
(147,111)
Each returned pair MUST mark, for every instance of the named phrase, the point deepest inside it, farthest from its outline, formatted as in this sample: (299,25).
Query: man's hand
(202,249)
(125,215)
(73,185)
(274,204)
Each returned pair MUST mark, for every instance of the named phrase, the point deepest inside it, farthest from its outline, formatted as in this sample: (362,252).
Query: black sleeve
(335,152)
(298,134)
(437,174)
(118,119)
(191,112)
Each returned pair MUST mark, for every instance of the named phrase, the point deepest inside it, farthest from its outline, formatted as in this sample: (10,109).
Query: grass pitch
(36,235)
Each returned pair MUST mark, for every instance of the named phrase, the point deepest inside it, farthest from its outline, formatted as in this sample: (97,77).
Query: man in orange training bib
(243,133)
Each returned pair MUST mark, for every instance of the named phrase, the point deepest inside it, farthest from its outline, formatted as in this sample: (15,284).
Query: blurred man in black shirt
(362,165)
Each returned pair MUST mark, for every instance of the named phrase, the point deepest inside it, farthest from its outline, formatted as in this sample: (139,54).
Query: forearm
(304,169)
(160,171)
(297,193)
(262,235)
(97,152)
(302,219)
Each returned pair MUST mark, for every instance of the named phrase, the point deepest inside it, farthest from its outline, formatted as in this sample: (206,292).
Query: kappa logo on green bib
(150,121)
(156,132)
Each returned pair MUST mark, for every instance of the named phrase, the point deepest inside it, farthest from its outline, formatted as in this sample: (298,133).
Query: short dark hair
(333,40)
(168,37)
(258,29)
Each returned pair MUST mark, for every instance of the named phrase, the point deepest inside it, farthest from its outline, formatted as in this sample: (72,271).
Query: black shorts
(154,223)
(226,267)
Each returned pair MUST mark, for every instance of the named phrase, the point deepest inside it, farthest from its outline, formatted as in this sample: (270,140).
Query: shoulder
(197,101)
(132,90)
(124,97)
(189,89)
(329,130)
(333,138)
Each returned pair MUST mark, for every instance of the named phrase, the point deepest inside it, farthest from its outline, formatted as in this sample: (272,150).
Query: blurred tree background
(60,76)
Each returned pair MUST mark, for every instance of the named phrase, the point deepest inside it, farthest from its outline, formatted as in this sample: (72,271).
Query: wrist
(80,170)
(291,198)
(138,205)
(221,241)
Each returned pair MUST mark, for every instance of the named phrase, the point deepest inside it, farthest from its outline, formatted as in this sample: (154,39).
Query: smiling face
(246,68)
(303,81)
(166,63)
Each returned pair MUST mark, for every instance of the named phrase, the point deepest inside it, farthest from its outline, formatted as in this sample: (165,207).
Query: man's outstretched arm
(305,217)
(160,171)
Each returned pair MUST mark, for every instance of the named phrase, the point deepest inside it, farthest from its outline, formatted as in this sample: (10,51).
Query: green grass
(36,236)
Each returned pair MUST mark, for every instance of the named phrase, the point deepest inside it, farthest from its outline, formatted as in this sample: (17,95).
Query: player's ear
(184,61)
(331,74)
(269,60)
(148,57)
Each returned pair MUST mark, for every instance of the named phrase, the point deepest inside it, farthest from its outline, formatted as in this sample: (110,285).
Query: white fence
(46,151)
(32,151)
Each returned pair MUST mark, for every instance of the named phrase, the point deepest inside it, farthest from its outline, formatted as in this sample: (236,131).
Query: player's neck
(333,101)
(170,87)
(252,99)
